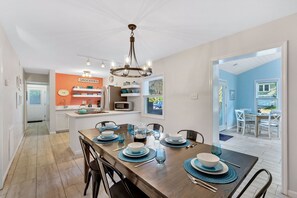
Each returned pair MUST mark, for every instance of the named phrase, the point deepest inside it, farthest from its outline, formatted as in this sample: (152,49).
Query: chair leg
(243,128)
(237,127)
(269,132)
(88,182)
(96,179)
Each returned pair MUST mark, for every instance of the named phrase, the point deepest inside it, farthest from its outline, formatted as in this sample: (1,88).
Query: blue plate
(108,138)
(217,168)
(142,151)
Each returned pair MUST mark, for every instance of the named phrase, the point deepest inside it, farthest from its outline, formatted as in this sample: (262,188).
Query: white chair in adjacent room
(242,122)
(272,123)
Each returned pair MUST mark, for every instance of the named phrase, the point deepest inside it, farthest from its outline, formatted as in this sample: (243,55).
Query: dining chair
(192,135)
(94,170)
(121,189)
(263,190)
(243,122)
(156,127)
(103,123)
(272,122)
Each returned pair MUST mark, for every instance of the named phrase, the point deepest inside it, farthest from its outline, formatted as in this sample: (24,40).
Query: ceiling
(50,34)
(243,64)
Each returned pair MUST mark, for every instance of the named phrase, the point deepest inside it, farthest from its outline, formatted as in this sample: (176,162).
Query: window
(35,97)
(266,96)
(153,96)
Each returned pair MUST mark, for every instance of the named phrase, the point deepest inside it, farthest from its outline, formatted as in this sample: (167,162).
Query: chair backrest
(88,152)
(274,118)
(103,123)
(104,165)
(192,135)
(240,115)
(156,127)
(263,190)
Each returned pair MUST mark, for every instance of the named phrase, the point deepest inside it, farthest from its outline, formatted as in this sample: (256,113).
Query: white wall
(11,115)
(52,103)
(38,78)
(190,71)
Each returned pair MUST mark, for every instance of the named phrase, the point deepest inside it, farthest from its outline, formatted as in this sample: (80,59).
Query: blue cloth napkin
(163,142)
(150,155)
(226,178)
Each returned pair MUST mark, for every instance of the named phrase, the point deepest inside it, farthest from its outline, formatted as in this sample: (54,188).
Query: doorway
(36,103)
(223,105)
(263,100)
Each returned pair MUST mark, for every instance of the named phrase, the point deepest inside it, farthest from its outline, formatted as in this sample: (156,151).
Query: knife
(144,163)
(236,165)
(119,148)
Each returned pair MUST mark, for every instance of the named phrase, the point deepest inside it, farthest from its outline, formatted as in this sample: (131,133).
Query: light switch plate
(194,96)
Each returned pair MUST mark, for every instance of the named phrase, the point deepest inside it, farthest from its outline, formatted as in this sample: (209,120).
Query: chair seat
(118,190)
(266,124)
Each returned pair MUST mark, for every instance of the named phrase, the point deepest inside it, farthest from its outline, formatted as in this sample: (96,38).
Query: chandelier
(128,70)
(86,74)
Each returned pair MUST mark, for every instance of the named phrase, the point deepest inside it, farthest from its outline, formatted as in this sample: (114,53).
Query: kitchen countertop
(75,115)
(71,108)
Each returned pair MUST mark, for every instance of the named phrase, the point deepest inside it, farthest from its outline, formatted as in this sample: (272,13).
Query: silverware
(191,145)
(119,148)
(206,184)
(194,181)
(236,165)
(144,163)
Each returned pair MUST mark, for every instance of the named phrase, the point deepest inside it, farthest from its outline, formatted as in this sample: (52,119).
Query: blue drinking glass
(121,138)
(160,156)
(130,128)
(216,149)
(156,134)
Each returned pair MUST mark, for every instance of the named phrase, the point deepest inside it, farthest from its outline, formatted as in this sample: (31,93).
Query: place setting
(208,168)
(137,152)
(106,137)
(175,141)
(108,126)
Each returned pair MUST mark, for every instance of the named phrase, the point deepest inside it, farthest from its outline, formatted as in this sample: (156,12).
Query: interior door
(36,102)
(222,105)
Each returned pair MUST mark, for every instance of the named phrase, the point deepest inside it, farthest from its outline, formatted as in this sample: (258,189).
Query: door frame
(284,99)
(1,121)
(225,83)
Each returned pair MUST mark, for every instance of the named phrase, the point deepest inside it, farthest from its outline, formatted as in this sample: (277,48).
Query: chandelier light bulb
(127,60)
(126,72)
(103,65)
(84,75)
(88,62)
(149,63)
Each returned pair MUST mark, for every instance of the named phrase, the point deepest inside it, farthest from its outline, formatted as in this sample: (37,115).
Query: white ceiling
(244,64)
(49,34)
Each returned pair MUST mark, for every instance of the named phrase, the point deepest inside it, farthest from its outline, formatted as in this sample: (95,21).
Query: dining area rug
(224,137)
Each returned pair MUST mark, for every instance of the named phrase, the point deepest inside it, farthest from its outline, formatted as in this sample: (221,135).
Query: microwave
(123,106)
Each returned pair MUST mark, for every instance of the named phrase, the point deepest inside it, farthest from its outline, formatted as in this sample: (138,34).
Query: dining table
(257,117)
(169,180)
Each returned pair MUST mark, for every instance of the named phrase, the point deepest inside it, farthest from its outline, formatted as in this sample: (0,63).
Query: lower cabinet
(62,123)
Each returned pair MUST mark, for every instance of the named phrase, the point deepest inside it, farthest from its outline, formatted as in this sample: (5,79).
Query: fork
(202,184)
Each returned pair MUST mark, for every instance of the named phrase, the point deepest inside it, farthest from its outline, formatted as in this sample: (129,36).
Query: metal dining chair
(263,190)
(192,135)
(94,170)
(103,123)
(121,189)
(156,127)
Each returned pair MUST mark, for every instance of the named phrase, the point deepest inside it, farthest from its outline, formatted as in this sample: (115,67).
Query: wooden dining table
(171,179)
(257,117)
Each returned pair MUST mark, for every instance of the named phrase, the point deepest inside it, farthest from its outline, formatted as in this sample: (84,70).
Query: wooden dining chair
(263,190)
(192,135)
(103,123)
(121,189)
(94,170)
(156,127)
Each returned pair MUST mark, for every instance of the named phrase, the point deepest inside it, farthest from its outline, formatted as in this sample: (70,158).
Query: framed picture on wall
(232,95)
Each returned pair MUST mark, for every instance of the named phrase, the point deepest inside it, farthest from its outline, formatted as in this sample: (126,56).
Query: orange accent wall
(66,81)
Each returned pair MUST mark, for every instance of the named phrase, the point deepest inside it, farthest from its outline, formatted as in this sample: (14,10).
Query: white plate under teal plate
(128,153)
(217,168)
(225,168)
(109,138)
(170,141)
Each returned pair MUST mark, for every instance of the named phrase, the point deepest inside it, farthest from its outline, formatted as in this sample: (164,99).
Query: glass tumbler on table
(160,156)
(216,149)
(121,138)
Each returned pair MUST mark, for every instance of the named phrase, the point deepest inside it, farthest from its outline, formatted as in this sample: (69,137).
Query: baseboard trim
(52,132)
(292,194)
(11,160)
(231,127)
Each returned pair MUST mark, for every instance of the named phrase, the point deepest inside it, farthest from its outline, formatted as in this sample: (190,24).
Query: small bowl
(110,125)
(135,147)
(105,134)
(175,137)
(208,160)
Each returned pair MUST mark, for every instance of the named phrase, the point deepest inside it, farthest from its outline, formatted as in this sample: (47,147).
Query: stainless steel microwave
(123,106)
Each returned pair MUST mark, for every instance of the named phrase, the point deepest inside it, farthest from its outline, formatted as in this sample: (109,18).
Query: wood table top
(171,180)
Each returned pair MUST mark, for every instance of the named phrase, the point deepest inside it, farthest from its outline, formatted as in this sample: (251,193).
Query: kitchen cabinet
(62,122)
(130,90)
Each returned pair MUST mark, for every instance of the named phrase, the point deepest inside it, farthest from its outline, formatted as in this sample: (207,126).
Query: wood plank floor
(44,166)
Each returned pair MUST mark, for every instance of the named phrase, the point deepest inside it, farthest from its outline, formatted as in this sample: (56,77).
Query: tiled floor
(44,165)
(269,153)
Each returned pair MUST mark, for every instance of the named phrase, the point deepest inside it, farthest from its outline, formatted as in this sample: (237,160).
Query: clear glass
(157,134)
(122,138)
(160,156)
(216,149)
(140,133)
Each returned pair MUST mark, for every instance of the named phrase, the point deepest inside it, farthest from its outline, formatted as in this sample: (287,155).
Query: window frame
(264,82)
(145,81)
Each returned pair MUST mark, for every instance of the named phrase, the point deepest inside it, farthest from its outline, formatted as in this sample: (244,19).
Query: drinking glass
(216,149)
(156,134)
(160,156)
(130,127)
(121,138)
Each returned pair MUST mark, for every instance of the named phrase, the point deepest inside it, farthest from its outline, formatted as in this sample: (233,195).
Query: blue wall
(244,86)
(231,105)
(246,82)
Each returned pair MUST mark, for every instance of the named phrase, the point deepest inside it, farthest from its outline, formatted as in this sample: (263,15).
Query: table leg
(257,126)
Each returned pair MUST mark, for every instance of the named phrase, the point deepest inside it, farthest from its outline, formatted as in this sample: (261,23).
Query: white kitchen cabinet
(62,123)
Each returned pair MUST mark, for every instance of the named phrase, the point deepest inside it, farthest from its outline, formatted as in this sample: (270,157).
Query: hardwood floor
(44,165)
